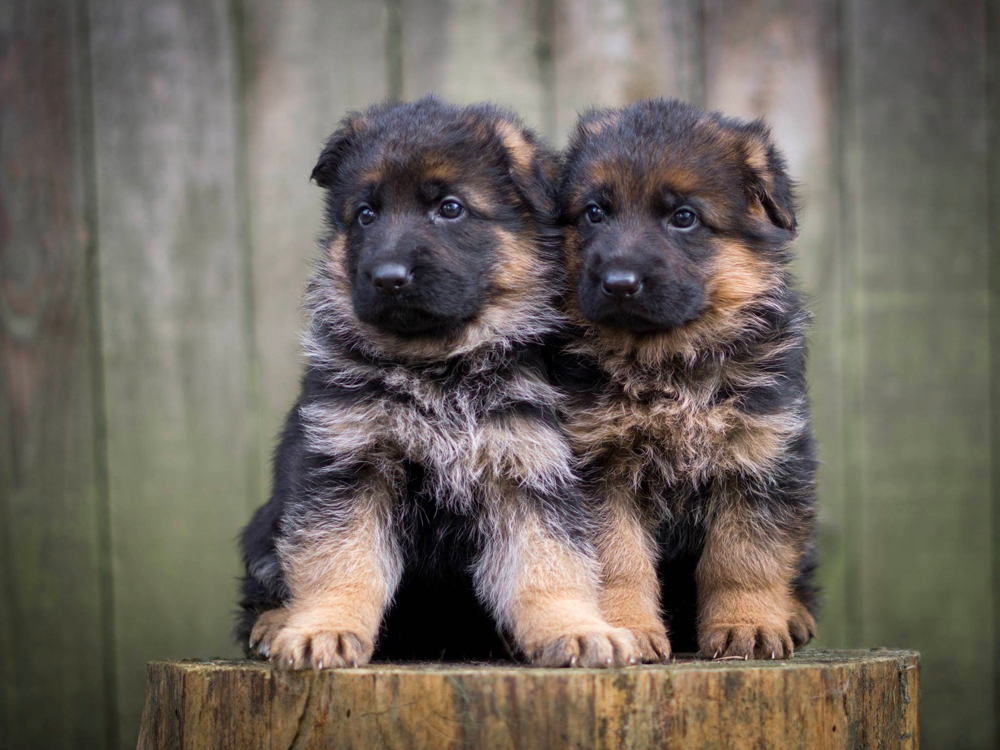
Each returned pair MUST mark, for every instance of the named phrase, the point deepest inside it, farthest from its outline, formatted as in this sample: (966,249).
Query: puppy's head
(442,227)
(675,221)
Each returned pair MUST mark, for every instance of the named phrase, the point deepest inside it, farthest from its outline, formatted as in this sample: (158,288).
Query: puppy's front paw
(761,640)
(267,627)
(652,642)
(802,625)
(589,647)
(310,642)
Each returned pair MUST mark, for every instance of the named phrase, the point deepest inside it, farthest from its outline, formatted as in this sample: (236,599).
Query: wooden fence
(156,221)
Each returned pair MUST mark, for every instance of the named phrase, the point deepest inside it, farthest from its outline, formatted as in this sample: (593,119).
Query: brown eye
(451,209)
(366,216)
(684,218)
(595,214)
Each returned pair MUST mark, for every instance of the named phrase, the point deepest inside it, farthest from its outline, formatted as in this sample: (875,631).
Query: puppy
(691,418)
(425,438)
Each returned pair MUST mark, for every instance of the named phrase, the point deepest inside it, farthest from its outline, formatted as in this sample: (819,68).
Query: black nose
(621,284)
(391,278)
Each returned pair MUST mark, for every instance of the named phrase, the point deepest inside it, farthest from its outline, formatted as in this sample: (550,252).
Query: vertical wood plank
(181,439)
(916,180)
(306,64)
(470,51)
(778,59)
(993,92)
(610,53)
(51,620)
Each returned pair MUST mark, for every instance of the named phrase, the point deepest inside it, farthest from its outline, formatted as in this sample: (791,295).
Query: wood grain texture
(818,700)
(777,59)
(52,644)
(612,53)
(182,449)
(471,51)
(915,140)
(306,64)
(993,92)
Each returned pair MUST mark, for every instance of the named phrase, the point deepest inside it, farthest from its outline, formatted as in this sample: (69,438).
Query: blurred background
(156,223)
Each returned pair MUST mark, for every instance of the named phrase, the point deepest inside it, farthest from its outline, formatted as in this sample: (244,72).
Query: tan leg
(630,590)
(341,581)
(546,592)
(744,590)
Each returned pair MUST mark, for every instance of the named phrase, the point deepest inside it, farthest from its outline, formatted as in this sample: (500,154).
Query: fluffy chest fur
(478,431)
(676,430)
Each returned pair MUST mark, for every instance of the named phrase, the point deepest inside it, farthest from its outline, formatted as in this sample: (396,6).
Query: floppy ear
(533,166)
(769,183)
(325,171)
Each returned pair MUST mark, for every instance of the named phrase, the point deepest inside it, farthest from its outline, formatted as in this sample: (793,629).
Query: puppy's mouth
(631,320)
(409,319)
(634,314)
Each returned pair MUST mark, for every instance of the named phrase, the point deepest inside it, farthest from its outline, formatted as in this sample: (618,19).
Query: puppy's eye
(366,215)
(451,209)
(684,218)
(595,214)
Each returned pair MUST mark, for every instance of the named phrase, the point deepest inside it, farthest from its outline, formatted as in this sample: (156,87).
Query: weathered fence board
(993,91)
(610,53)
(181,447)
(52,644)
(777,59)
(467,52)
(305,65)
(916,181)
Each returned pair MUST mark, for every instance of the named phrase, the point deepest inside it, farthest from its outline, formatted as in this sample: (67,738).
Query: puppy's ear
(767,176)
(533,166)
(594,121)
(325,171)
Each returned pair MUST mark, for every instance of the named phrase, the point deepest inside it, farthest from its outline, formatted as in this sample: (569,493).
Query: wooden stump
(819,699)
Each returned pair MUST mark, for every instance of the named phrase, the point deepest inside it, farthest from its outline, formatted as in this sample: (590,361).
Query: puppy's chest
(468,437)
(671,432)
(445,431)
(662,432)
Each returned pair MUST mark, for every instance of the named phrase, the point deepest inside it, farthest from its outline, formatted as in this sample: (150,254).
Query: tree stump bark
(819,699)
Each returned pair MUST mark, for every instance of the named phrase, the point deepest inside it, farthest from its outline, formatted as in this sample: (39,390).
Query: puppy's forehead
(449,156)
(636,159)
(385,164)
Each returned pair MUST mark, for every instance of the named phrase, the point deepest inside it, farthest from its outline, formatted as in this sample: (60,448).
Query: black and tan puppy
(425,439)
(692,418)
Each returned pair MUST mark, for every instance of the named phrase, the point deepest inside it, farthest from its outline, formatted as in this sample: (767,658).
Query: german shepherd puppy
(425,439)
(691,418)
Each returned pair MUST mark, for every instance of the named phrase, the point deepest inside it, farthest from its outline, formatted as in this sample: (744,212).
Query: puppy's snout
(391,278)
(621,284)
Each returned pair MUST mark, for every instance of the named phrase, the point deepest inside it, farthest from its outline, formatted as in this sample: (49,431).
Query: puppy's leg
(744,581)
(630,591)
(546,592)
(801,624)
(342,577)
(806,597)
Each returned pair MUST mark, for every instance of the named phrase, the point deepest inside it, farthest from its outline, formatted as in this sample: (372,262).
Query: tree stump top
(818,699)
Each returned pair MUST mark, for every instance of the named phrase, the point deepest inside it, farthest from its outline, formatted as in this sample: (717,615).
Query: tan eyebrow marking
(479,200)
(680,180)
